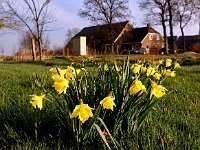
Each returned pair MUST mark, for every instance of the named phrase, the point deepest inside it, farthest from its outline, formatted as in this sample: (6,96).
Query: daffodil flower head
(173,73)
(150,71)
(82,111)
(168,62)
(157,76)
(169,73)
(70,73)
(116,67)
(108,102)
(54,70)
(105,67)
(136,68)
(78,71)
(137,88)
(36,101)
(156,67)
(144,69)
(177,65)
(58,72)
(157,90)
(160,62)
(60,84)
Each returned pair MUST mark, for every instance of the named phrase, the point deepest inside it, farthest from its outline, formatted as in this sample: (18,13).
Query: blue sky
(66,16)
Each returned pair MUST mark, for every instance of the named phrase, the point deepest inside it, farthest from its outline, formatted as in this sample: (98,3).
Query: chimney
(148,25)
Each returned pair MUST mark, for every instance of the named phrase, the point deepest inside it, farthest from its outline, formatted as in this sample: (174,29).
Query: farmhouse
(117,38)
(144,37)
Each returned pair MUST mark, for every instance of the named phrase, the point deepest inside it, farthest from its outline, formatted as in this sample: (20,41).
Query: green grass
(174,124)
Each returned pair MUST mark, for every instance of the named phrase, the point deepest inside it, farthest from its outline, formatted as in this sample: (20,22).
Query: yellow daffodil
(150,71)
(168,62)
(169,73)
(173,74)
(60,84)
(54,71)
(160,62)
(70,73)
(137,88)
(157,76)
(177,65)
(108,102)
(58,72)
(157,90)
(82,111)
(156,67)
(117,68)
(36,101)
(78,71)
(136,68)
(144,69)
(105,67)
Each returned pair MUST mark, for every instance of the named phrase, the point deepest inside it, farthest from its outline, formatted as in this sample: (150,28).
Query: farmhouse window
(150,37)
(158,37)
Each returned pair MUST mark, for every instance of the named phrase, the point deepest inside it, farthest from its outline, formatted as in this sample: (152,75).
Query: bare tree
(105,12)
(7,20)
(1,50)
(184,13)
(197,15)
(171,4)
(156,14)
(27,44)
(71,33)
(35,15)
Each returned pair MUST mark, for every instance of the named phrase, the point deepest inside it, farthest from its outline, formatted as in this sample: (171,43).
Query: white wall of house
(79,46)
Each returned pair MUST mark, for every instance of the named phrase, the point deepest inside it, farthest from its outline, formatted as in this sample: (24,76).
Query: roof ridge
(106,24)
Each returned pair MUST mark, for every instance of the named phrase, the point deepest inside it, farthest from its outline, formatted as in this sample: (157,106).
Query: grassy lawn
(174,123)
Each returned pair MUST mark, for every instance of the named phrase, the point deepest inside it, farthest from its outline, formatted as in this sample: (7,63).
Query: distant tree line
(34,16)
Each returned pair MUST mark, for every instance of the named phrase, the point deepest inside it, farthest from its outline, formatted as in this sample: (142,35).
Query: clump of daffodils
(153,73)
(134,89)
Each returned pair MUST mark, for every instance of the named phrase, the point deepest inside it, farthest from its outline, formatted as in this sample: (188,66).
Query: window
(150,37)
(158,37)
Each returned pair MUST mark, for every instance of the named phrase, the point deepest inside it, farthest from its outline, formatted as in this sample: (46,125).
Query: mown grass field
(173,124)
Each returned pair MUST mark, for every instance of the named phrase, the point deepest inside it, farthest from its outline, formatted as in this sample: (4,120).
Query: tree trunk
(165,35)
(33,49)
(171,26)
(40,48)
(183,37)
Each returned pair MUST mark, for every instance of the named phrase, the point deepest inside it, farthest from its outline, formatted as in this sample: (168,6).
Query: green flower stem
(62,110)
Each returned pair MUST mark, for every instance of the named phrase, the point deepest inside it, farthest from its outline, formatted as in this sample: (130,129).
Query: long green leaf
(102,122)
(102,136)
